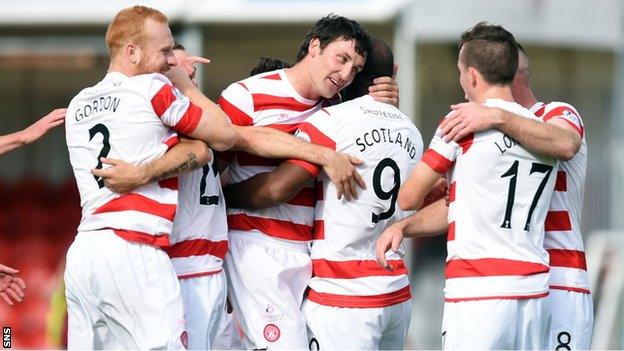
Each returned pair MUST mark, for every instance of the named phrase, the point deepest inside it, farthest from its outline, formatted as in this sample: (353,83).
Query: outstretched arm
(123,177)
(35,131)
(554,138)
(267,189)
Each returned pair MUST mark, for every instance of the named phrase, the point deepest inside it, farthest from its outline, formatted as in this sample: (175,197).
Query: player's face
(335,66)
(157,51)
(190,69)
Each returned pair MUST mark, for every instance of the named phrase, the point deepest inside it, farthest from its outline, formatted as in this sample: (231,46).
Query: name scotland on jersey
(104,103)
(384,135)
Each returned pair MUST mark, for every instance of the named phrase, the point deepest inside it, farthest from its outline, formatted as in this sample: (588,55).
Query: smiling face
(334,67)
(156,51)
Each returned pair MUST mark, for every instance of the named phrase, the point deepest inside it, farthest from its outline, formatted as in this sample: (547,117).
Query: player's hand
(466,118)
(11,287)
(341,170)
(180,78)
(390,239)
(386,90)
(121,177)
(188,63)
(42,126)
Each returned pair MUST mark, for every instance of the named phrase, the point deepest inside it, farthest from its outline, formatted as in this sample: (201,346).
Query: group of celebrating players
(321,173)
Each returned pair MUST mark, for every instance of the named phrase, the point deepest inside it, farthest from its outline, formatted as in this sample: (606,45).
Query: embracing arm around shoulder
(123,177)
(267,189)
(555,138)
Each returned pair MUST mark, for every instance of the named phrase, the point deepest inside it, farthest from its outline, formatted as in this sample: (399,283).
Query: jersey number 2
(512,173)
(100,129)
(383,194)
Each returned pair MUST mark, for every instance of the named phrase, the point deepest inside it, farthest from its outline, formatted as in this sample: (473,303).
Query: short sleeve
(315,130)
(172,107)
(568,114)
(237,103)
(440,155)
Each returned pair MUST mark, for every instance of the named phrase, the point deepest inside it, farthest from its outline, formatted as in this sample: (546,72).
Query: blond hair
(127,27)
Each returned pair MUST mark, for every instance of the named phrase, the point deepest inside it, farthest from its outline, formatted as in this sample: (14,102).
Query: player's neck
(496,92)
(525,98)
(121,67)
(299,77)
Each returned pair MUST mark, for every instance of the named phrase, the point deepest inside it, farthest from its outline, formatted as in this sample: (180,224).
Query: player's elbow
(225,140)
(407,201)
(276,193)
(569,149)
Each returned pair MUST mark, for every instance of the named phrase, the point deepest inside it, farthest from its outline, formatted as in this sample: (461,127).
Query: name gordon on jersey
(384,135)
(104,103)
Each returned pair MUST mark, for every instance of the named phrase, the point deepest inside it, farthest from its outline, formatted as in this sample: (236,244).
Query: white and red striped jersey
(499,195)
(563,240)
(199,237)
(345,272)
(269,100)
(127,118)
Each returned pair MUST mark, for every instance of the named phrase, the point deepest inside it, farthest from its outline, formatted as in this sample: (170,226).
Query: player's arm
(122,177)
(429,221)
(555,138)
(214,126)
(33,132)
(267,189)
(272,143)
(412,193)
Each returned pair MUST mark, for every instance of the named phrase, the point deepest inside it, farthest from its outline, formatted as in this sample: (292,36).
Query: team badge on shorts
(271,332)
(184,339)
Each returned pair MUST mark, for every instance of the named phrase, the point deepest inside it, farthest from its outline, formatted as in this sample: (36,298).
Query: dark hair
(267,64)
(379,63)
(178,46)
(492,51)
(332,27)
(521,48)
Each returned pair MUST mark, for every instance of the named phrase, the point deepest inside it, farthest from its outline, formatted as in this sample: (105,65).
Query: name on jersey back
(386,135)
(104,103)
(505,144)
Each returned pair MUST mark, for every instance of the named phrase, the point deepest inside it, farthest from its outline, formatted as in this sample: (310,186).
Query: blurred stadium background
(51,49)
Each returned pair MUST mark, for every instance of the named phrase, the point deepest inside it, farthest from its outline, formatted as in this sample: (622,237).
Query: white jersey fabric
(198,246)
(268,263)
(134,119)
(499,195)
(126,118)
(345,270)
(570,299)
(199,238)
(347,283)
(564,240)
(269,100)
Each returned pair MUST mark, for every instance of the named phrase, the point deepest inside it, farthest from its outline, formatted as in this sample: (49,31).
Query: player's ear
(133,52)
(473,76)
(314,48)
